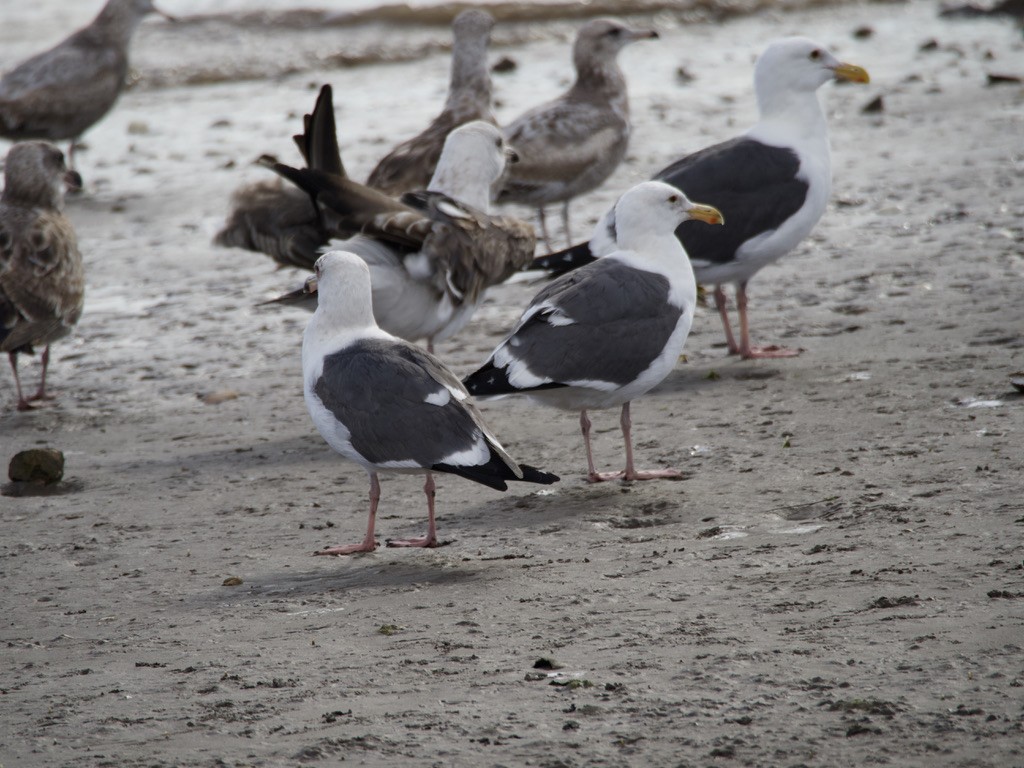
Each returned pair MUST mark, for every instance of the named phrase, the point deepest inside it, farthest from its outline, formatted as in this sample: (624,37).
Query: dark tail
(496,472)
(560,262)
(489,380)
(318,142)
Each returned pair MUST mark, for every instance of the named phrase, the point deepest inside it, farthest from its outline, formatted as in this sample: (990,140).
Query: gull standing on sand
(388,405)
(42,281)
(606,333)
(62,92)
(570,145)
(433,254)
(772,183)
(410,165)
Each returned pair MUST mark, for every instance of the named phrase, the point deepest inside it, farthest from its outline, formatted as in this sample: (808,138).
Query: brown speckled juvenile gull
(433,254)
(410,165)
(570,145)
(62,92)
(389,406)
(607,333)
(42,282)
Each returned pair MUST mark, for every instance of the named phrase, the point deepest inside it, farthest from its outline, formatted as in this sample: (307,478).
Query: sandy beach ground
(837,582)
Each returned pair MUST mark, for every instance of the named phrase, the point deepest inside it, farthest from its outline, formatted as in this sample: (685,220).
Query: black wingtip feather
(495,473)
(488,380)
(566,260)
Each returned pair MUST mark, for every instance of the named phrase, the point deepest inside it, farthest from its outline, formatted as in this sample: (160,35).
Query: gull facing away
(42,281)
(60,93)
(388,405)
(772,183)
(410,165)
(433,254)
(606,333)
(570,145)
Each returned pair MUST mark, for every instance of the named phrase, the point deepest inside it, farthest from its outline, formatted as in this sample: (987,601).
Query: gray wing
(603,322)
(754,185)
(563,140)
(69,84)
(399,404)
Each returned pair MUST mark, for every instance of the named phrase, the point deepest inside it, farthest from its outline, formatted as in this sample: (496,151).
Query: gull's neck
(466,181)
(469,87)
(792,117)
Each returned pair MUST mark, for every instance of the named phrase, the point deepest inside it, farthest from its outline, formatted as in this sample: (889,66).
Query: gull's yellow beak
(706,213)
(852,72)
(311,284)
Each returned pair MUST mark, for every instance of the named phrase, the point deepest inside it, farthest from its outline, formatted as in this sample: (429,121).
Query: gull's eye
(614,32)
(815,55)
(499,143)
(673,198)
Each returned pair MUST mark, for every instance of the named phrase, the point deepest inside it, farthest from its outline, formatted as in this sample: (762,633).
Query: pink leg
(430,540)
(724,314)
(23,404)
(593,476)
(565,222)
(41,392)
(369,543)
(544,228)
(746,351)
(631,472)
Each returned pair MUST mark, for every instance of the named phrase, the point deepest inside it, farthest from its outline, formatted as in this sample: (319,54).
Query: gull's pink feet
(654,474)
(367,545)
(419,541)
(773,351)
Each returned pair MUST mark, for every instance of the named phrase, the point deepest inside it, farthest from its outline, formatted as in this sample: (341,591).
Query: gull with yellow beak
(608,332)
(772,183)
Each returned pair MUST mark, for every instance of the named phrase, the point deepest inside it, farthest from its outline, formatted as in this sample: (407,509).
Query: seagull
(388,405)
(409,165)
(570,145)
(276,219)
(42,281)
(433,254)
(285,222)
(62,92)
(608,332)
(772,183)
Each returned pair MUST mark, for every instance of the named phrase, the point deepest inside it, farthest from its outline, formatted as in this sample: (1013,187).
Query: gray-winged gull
(571,144)
(772,183)
(58,94)
(388,405)
(608,332)
(42,281)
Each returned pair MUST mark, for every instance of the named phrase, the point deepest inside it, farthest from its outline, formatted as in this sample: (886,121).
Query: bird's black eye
(673,198)
(614,32)
(499,143)
(815,55)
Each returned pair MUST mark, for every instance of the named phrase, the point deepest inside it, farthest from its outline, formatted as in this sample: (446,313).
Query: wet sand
(838,581)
